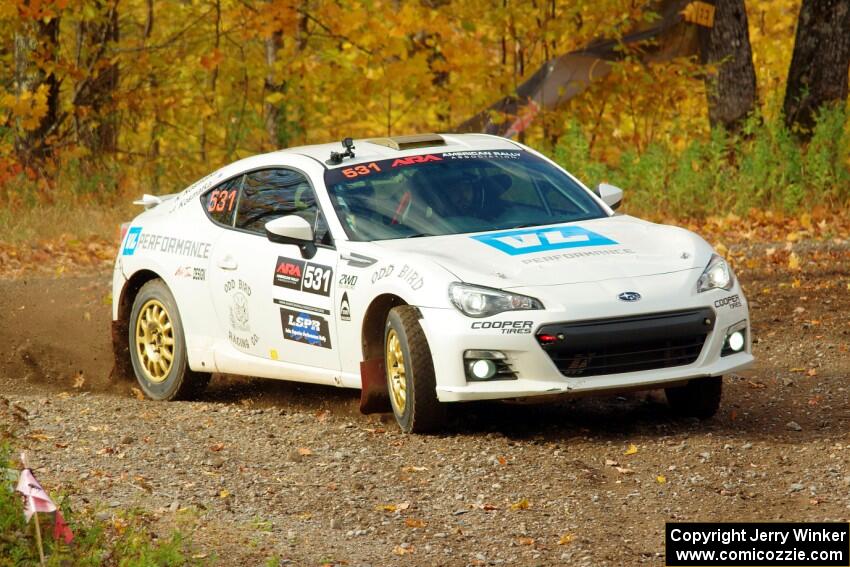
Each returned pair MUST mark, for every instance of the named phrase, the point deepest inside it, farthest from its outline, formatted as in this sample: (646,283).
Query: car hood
(587,251)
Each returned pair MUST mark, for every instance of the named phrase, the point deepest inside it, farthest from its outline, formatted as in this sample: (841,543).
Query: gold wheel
(154,341)
(396,372)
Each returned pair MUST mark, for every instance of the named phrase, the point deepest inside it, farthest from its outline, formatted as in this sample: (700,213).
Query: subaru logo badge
(629,296)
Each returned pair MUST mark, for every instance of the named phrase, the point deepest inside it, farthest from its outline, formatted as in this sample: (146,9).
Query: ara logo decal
(515,242)
(132,241)
(415,159)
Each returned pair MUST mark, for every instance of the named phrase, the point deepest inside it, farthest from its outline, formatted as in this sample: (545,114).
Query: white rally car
(423,270)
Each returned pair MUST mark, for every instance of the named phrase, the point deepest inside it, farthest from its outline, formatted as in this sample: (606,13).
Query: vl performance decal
(528,241)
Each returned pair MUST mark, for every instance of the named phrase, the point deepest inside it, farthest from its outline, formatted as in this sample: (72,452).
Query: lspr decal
(305,327)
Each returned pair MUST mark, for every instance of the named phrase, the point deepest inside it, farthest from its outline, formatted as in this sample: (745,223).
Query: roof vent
(409,142)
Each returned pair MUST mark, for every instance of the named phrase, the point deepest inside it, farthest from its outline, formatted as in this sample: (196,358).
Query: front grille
(627,344)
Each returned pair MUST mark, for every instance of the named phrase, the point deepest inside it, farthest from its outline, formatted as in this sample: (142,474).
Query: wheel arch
(123,367)
(374,396)
(374,321)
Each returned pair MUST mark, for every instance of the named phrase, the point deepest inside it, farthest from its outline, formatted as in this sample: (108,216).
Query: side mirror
(612,196)
(292,229)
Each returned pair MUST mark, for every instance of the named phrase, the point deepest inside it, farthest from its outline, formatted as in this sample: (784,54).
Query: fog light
(482,365)
(483,369)
(736,341)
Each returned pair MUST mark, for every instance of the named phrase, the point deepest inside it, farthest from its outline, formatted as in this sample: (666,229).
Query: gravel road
(260,469)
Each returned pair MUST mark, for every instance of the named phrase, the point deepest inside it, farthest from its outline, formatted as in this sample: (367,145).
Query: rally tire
(698,398)
(422,411)
(156,334)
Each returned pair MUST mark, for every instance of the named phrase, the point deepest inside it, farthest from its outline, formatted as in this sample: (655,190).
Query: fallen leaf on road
(631,450)
(624,470)
(137,393)
(793,262)
(79,379)
(566,539)
(304,451)
(661,479)
(611,463)
(526,541)
(414,523)
(522,504)
(223,494)
(217,447)
(399,550)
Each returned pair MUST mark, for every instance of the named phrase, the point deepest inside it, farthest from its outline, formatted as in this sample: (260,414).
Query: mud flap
(122,368)
(374,397)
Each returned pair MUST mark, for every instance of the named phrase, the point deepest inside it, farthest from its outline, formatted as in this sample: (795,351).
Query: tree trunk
(732,88)
(212,81)
(271,108)
(97,129)
(38,40)
(818,72)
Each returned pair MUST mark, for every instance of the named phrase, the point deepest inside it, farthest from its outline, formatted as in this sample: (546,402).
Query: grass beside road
(74,221)
(764,167)
(121,538)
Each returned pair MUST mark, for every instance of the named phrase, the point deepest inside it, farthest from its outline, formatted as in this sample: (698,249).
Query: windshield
(454,193)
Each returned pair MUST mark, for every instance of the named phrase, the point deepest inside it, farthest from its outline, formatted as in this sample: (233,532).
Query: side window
(220,203)
(271,193)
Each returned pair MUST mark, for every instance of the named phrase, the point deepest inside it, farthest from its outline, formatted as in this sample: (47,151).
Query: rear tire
(698,398)
(158,346)
(411,381)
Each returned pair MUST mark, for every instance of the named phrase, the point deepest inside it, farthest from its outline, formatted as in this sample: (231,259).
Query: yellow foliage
(370,67)
(28,108)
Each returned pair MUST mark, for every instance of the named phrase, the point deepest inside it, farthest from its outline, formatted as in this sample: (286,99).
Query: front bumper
(450,334)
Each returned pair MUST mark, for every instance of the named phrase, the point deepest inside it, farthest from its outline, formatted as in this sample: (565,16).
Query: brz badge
(629,296)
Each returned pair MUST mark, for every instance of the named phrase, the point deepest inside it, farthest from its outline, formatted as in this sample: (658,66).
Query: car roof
(374,149)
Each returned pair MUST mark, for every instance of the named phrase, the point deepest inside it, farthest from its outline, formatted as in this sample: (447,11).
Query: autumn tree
(95,120)
(36,84)
(731,87)
(818,73)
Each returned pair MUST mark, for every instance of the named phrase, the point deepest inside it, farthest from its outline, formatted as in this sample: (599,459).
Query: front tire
(158,346)
(411,381)
(698,398)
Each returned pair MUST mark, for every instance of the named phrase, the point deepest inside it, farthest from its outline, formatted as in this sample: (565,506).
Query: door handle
(228,262)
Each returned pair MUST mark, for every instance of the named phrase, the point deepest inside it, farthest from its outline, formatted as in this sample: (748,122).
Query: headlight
(717,275)
(477,301)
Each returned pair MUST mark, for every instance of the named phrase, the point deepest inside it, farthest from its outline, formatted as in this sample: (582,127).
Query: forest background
(103,100)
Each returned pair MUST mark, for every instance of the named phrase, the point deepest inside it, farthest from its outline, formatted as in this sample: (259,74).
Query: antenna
(337,157)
